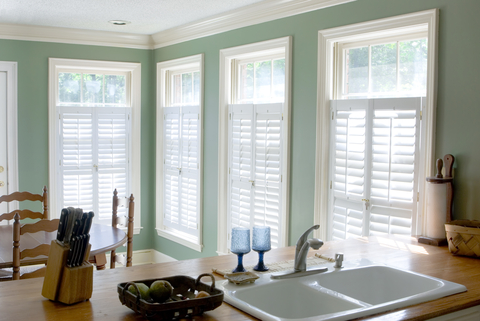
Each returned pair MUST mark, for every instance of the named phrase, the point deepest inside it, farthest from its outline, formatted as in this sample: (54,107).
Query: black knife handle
(62,225)
(71,251)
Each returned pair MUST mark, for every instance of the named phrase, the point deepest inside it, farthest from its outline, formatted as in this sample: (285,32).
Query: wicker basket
(463,237)
(183,286)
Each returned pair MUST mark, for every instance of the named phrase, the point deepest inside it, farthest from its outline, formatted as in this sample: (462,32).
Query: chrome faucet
(302,247)
(301,251)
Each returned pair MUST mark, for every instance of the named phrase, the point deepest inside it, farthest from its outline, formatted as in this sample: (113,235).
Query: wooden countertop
(22,299)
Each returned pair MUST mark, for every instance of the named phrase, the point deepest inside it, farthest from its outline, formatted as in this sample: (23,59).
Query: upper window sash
(397,90)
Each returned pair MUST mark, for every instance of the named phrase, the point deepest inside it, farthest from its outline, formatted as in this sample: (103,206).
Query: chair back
(127,222)
(42,249)
(26,213)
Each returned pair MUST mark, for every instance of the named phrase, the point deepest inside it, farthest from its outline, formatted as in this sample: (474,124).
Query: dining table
(103,239)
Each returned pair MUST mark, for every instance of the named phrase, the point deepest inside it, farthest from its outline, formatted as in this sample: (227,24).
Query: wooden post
(45,203)
(16,247)
(114,224)
(131,205)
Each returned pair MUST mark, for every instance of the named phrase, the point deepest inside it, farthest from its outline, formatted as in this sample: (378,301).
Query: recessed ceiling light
(119,22)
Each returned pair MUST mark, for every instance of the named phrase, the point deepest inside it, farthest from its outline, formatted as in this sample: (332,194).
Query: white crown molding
(249,15)
(75,36)
(264,11)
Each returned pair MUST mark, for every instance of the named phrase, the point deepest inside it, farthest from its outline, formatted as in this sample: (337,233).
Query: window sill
(170,236)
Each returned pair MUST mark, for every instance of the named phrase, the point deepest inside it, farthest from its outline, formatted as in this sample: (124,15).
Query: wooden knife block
(64,284)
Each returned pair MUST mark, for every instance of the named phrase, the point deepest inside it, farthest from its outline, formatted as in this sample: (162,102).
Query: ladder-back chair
(129,204)
(42,249)
(26,213)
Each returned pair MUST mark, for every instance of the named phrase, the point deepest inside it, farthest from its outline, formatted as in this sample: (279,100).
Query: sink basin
(339,294)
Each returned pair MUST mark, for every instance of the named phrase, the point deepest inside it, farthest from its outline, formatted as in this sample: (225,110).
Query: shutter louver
(77,158)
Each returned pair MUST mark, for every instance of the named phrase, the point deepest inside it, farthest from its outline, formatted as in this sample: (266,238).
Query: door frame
(10,67)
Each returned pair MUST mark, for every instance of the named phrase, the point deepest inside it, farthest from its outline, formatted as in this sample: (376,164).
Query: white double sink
(339,294)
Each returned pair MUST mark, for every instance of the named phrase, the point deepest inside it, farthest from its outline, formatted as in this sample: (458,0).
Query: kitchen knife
(73,243)
(62,225)
(85,239)
(69,224)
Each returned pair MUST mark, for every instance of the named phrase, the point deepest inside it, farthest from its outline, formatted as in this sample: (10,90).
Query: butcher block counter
(22,300)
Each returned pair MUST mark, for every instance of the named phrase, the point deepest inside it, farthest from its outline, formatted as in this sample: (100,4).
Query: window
(96,107)
(179,150)
(375,152)
(254,139)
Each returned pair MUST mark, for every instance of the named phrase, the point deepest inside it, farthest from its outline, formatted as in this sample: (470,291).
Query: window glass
(92,88)
(115,89)
(69,87)
(384,68)
(357,70)
(185,89)
(393,69)
(261,81)
(413,65)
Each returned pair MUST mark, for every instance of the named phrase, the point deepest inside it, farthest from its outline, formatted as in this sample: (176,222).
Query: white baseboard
(144,257)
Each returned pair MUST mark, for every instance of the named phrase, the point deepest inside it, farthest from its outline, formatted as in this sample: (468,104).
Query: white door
(8,131)
(3,138)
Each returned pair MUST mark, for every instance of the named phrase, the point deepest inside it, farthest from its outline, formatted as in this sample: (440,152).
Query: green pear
(160,291)
(144,291)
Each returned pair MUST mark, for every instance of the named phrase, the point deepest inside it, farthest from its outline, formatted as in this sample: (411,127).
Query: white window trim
(135,92)
(10,67)
(173,65)
(325,71)
(225,93)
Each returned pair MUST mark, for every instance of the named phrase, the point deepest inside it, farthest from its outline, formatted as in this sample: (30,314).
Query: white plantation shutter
(112,146)
(181,169)
(240,164)
(255,151)
(374,166)
(76,158)
(348,154)
(95,143)
(395,144)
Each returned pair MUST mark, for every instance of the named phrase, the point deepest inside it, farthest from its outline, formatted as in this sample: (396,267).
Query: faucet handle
(338,260)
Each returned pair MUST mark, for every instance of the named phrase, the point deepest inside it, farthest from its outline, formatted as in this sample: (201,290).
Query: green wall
(457,107)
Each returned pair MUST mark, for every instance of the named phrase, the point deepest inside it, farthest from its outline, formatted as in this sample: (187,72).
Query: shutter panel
(171,140)
(181,171)
(348,158)
(112,146)
(77,157)
(240,128)
(267,169)
(189,187)
(395,142)
(379,165)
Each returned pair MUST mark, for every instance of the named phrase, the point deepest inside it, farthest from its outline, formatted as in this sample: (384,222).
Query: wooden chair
(100,260)
(129,204)
(42,249)
(26,213)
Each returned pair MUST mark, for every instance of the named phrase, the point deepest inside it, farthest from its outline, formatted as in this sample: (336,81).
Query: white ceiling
(146,16)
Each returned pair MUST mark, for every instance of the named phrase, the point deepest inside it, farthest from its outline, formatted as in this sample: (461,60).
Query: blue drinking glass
(240,245)
(261,244)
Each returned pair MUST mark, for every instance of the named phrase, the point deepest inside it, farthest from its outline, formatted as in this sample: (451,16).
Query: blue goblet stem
(239,267)
(260,266)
